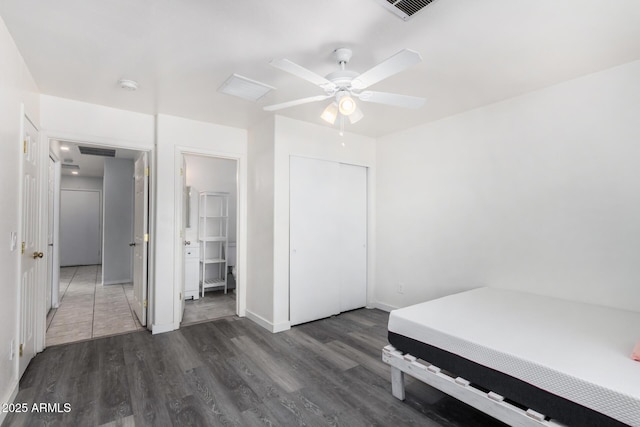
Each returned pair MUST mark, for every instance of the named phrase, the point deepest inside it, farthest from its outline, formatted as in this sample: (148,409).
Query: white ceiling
(180,52)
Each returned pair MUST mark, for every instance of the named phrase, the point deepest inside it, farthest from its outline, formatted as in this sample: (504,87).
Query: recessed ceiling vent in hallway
(94,151)
(405,8)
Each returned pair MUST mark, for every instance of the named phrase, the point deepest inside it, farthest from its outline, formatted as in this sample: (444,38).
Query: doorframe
(241,225)
(46,136)
(55,252)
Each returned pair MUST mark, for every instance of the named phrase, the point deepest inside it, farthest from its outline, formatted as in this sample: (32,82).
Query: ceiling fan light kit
(345,85)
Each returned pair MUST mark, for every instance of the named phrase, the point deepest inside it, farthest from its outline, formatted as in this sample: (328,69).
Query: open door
(141,238)
(183,226)
(32,252)
(50,199)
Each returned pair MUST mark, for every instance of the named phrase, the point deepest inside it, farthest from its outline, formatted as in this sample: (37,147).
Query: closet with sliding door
(327,240)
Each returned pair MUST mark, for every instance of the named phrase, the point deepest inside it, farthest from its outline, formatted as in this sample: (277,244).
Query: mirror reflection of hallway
(216,175)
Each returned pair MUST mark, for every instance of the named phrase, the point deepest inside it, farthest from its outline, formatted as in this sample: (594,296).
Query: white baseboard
(9,398)
(382,306)
(280,327)
(271,327)
(160,329)
(116,282)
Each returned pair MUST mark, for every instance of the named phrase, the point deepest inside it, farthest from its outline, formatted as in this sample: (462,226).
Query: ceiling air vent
(93,151)
(405,9)
(71,167)
(245,88)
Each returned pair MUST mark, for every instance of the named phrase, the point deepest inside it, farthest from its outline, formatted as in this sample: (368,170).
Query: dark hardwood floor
(231,372)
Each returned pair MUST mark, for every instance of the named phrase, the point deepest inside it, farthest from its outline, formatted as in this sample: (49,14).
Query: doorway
(209,223)
(96,245)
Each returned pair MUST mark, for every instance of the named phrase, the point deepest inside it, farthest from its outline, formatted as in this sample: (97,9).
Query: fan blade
(391,99)
(303,73)
(300,101)
(387,68)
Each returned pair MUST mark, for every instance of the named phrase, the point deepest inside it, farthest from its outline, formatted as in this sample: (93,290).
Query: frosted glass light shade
(356,116)
(330,113)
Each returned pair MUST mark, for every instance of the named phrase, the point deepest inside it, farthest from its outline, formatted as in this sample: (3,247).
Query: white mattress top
(575,350)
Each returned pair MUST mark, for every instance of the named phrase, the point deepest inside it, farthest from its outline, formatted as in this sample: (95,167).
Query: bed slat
(490,403)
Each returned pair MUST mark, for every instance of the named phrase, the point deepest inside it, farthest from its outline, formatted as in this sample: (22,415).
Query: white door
(50,211)
(314,279)
(80,227)
(31,250)
(140,238)
(183,228)
(352,241)
(328,238)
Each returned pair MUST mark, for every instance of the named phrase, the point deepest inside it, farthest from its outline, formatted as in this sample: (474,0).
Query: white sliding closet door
(352,241)
(313,276)
(328,221)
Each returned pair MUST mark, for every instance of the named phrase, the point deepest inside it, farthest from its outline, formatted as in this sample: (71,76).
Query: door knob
(132,244)
(37,255)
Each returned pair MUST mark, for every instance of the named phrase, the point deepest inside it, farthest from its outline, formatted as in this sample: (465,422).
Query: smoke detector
(129,85)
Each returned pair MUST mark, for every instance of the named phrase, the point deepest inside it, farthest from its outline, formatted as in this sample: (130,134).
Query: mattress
(578,351)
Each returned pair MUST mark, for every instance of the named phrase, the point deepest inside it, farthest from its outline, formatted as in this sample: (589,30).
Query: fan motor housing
(343,54)
(342,78)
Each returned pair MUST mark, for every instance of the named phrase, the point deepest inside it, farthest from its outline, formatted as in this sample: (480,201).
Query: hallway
(88,309)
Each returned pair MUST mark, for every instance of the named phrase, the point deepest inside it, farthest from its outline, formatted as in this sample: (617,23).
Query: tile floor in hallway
(88,309)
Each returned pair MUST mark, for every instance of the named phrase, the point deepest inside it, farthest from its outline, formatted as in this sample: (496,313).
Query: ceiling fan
(345,85)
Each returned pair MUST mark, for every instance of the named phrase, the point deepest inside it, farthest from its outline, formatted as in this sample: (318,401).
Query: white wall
(296,138)
(260,204)
(212,174)
(80,121)
(176,136)
(539,193)
(16,87)
(72,182)
(118,221)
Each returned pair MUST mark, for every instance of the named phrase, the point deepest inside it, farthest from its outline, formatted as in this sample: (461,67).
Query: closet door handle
(132,244)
